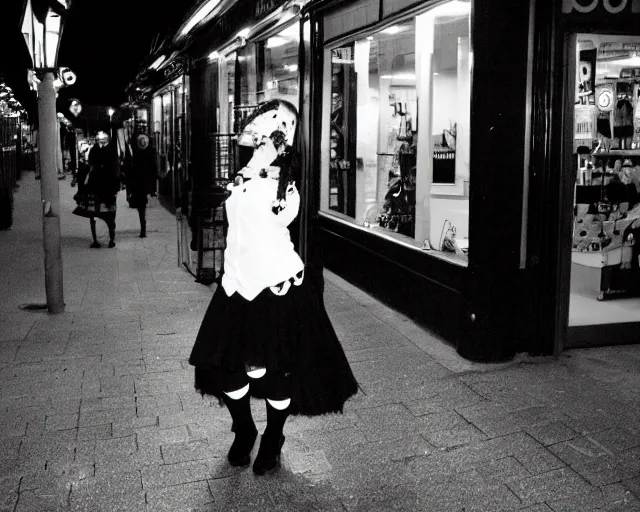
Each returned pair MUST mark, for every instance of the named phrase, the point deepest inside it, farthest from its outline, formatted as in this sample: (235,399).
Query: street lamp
(42,25)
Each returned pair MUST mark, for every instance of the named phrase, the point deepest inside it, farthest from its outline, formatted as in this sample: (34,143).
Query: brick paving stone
(9,486)
(167,475)
(512,421)
(119,490)
(539,460)
(454,437)
(556,484)
(438,422)
(505,470)
(444,397)
(551,432)
(115,448)
(618,439)
(162,436)
(181,497)
(189,451)
(135,461)
(468,491)
(45,501)
(13,426)
(240,492)
(93,418)
(387,422)
(61,421)
(95,432)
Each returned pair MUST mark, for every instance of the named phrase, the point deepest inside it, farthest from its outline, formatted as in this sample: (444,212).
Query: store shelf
(619,152)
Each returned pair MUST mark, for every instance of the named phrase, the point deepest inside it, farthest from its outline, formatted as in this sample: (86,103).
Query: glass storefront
(277,66)
(396,116)
(605,258)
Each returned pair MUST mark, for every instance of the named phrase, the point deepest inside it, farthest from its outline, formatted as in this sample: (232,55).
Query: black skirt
(289,335)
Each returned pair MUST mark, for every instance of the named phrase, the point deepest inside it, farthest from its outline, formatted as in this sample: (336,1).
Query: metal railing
(210,213)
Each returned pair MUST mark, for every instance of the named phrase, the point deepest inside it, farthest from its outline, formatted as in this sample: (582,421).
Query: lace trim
(283,287)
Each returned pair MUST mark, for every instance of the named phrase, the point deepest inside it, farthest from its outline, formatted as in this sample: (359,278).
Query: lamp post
(42,25)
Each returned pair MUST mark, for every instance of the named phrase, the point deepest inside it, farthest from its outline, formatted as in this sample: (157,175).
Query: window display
(166,147)
(605,253)
(396,131)
(277,66)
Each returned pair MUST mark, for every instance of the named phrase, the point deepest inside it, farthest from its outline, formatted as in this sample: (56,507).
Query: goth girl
(266,332)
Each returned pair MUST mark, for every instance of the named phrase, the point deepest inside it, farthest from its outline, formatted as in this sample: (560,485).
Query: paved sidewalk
(99,412)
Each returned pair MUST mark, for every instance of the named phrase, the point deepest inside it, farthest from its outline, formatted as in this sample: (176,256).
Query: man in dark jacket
(141,179)
(104,183)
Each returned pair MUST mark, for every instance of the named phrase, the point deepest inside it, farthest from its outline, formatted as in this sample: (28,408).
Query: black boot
(244,428)
(268,457)
(143,222)
(111,223)
(95,244)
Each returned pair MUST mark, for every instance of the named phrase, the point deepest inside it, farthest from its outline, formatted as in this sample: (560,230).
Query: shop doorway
(603,142)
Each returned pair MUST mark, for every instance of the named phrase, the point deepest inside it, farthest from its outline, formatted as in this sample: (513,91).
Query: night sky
(104,43)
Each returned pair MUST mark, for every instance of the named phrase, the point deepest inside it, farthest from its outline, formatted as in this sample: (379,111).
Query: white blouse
(259,252)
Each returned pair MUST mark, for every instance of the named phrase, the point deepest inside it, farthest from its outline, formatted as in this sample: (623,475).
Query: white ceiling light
(393,30)
(214,55)
(244,33)
(200,14)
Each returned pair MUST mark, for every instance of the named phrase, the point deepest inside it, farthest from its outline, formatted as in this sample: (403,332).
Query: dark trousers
(110,220)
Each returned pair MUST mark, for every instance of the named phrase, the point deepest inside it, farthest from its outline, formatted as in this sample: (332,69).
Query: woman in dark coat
(103,183)
(141,179)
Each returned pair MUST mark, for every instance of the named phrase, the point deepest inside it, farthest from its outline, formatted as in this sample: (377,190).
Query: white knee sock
(238,393)
(281,405)
(256,374)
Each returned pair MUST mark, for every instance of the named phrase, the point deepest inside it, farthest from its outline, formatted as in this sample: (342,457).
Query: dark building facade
(474,164)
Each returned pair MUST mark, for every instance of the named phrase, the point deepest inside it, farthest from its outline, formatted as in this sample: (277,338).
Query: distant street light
(111,111)
(42,25)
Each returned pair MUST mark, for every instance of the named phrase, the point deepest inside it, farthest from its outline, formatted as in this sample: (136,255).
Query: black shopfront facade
(443,152)
(478,249)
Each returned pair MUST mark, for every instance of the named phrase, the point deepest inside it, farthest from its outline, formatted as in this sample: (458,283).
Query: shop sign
(265,7)
(610,6)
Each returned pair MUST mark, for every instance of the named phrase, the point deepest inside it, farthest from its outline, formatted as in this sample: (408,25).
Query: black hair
(289,164)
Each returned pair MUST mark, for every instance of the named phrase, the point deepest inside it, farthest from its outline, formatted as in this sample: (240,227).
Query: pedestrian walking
(266,332)
(141,179)
(98,197)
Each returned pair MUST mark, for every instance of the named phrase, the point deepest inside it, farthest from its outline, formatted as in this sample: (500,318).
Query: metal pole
(50,193)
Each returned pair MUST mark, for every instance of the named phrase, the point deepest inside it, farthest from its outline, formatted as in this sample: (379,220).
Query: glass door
(604,306)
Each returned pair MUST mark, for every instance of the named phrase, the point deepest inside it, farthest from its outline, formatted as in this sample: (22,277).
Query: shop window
(231,90)
(167,143)
(605,257)
(157,121)
(395,151)
(277,66)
